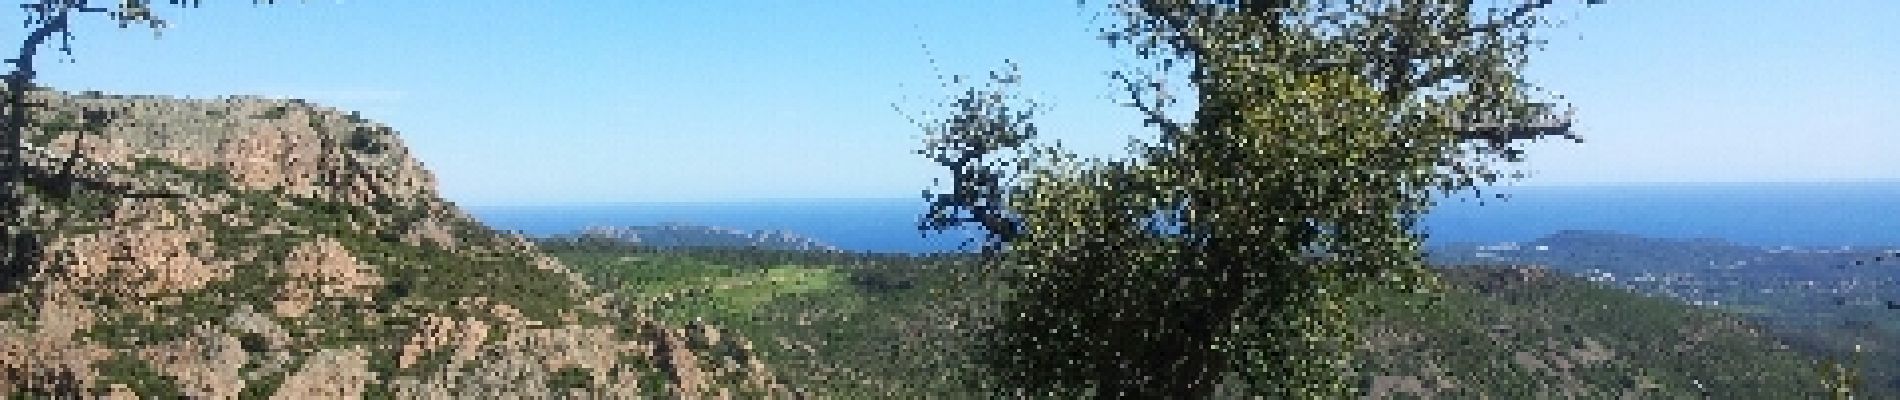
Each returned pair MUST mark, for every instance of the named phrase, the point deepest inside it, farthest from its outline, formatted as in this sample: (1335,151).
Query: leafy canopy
(1237,244)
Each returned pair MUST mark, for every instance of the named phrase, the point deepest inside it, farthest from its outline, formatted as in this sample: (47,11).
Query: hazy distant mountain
(682,235)
(1709,271)
(1580,251)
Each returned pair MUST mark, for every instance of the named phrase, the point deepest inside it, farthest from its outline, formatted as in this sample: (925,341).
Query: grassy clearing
(846,328)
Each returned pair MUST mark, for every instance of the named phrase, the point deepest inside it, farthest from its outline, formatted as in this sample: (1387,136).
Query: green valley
(850,325)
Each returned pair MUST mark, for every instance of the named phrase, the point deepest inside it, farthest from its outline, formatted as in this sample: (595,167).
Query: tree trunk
(22,247)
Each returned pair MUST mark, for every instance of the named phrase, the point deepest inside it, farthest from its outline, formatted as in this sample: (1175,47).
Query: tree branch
(1509,20)
(1170,130)
(1499,133)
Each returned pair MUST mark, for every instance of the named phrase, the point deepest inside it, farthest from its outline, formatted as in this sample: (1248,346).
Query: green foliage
(869,341)
(378,390)
(51,128)
(139,376)
(125,331)
(264,387)
(429,274)
(21,314)
(365,139)
(1479,332)
(682,289)
(806,319)
(425,272)
(570,378)
(277,112)
(1235,243)
(652,382)
(160,170)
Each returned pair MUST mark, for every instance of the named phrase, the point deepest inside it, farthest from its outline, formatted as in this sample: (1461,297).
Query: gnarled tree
(1230,251)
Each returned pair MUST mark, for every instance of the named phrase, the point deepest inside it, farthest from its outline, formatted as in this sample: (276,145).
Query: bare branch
(1510,20)
(1169,128)
(1501,133)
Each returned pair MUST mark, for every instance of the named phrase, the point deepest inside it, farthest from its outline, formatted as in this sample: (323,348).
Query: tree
(46,20)
(1233,249)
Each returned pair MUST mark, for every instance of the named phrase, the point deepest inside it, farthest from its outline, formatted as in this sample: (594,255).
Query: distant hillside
(1838,302)
(687,236)
(1622,253)
(1514,332)
(1708,271)
(252,247)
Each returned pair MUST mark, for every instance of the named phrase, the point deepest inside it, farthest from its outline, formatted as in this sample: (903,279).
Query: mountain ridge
(258,247)
(678,235)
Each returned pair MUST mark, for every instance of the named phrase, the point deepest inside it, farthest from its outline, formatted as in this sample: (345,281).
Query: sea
(1804,215)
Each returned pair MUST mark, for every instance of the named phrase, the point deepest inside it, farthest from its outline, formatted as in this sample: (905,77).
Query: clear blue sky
(559,102)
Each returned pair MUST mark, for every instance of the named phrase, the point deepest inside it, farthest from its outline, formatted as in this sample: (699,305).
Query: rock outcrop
(251,247)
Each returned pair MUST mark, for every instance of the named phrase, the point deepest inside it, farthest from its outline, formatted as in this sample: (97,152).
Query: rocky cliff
(251,247)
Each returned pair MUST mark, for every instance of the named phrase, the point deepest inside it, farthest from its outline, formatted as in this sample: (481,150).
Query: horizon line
(836,199)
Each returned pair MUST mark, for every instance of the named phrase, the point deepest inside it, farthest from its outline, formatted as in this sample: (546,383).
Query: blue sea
(1779,214)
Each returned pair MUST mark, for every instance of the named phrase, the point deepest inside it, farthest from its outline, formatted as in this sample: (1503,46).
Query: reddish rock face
(322,269)
(266,255)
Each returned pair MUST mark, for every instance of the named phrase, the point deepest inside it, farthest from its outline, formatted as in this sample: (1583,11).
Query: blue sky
(576,102)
